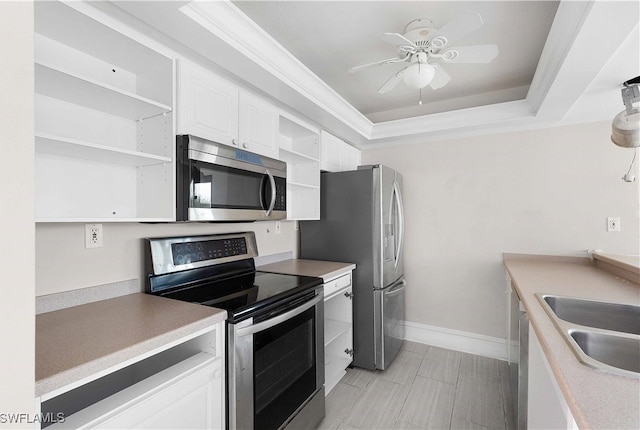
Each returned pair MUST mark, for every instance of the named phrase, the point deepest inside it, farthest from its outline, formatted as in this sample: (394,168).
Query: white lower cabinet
(182,387)
(183,396)
(547,408)
(338,329)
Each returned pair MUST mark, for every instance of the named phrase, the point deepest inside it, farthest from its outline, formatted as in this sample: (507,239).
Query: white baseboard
(456,340)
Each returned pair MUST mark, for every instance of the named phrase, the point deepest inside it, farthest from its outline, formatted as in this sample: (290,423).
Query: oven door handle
(264,325)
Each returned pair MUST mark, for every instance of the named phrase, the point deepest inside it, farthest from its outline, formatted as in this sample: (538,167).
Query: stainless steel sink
(602,335)
(616,351)
(591,313)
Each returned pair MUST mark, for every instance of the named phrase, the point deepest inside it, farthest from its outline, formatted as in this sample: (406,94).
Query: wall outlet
(93,236)
(613,223)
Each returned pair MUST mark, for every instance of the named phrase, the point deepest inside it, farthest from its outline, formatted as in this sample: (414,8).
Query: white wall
(63,263)
(469,200)
(17,308)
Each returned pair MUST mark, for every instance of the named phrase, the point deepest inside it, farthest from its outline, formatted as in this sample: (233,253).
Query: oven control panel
(175,254)
(193,252)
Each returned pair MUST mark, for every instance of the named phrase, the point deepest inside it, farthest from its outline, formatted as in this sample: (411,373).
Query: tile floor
(424,388)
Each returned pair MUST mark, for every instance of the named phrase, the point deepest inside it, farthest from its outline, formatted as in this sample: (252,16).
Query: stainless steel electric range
(275,332)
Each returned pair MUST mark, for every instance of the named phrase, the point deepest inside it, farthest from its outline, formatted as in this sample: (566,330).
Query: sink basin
(591,313)
(602,335)
(616,351)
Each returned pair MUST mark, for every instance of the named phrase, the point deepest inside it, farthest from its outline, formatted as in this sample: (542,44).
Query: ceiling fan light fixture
(419,75)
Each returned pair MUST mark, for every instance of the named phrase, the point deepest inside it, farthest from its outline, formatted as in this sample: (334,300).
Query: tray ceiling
(559,62)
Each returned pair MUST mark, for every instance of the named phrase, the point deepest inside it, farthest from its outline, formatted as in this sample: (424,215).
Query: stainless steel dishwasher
(518,356)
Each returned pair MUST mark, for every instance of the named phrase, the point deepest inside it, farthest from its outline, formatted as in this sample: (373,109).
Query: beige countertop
(596,399)
(81,341)
(326,270)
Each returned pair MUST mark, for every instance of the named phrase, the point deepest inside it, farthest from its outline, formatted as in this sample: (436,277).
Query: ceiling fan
(421,44)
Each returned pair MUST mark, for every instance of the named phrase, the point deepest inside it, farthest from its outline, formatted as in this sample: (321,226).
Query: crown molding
(460,119)
(582,39)
(231,25)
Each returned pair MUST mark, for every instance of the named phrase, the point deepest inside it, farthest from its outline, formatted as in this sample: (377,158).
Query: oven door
(276,368)
(218,183)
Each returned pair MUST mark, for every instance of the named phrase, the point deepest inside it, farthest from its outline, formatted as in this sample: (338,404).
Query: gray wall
(63,263)
(467,201)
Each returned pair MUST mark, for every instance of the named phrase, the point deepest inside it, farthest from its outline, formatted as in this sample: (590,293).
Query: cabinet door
(258,126)
(547,408)
(190,402)
(351,159)
(338,327)
(207,105)
(330,152)
(336,155)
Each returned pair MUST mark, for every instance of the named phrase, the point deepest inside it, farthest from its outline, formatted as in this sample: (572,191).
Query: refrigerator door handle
(398,197)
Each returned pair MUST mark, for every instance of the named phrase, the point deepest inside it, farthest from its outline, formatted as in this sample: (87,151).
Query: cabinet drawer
(186,395)
(332,287)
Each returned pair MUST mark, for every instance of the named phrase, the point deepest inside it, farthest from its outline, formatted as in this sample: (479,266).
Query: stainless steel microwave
(215,182)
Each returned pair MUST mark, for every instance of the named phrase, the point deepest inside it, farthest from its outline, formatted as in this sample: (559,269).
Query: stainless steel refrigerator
(362,222)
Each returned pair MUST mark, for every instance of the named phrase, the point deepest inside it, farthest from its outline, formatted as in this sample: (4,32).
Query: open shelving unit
(300,149)
(104,121)
(74,148)
(338,335)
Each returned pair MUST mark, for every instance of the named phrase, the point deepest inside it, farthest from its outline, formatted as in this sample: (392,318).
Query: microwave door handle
(272,181)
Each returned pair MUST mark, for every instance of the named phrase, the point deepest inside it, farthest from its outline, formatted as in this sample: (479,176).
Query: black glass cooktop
(245,295)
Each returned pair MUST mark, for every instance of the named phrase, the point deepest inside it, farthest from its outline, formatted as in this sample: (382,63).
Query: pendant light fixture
(625,129)
(420,73)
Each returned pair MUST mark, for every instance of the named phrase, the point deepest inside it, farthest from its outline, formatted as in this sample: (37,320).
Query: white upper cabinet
(104,139)
(336,155)
(207,104)
(258,125)
(216,109)
(351,157)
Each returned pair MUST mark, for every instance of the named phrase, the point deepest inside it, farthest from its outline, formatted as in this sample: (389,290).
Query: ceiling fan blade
(478,54)
(377,63)
(396,39)
(392,82)
(460,26)
(440,79)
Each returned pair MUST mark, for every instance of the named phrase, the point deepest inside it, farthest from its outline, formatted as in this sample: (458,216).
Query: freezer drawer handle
(396,290)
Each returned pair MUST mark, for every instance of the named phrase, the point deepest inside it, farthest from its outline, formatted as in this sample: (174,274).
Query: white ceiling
(559,62)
